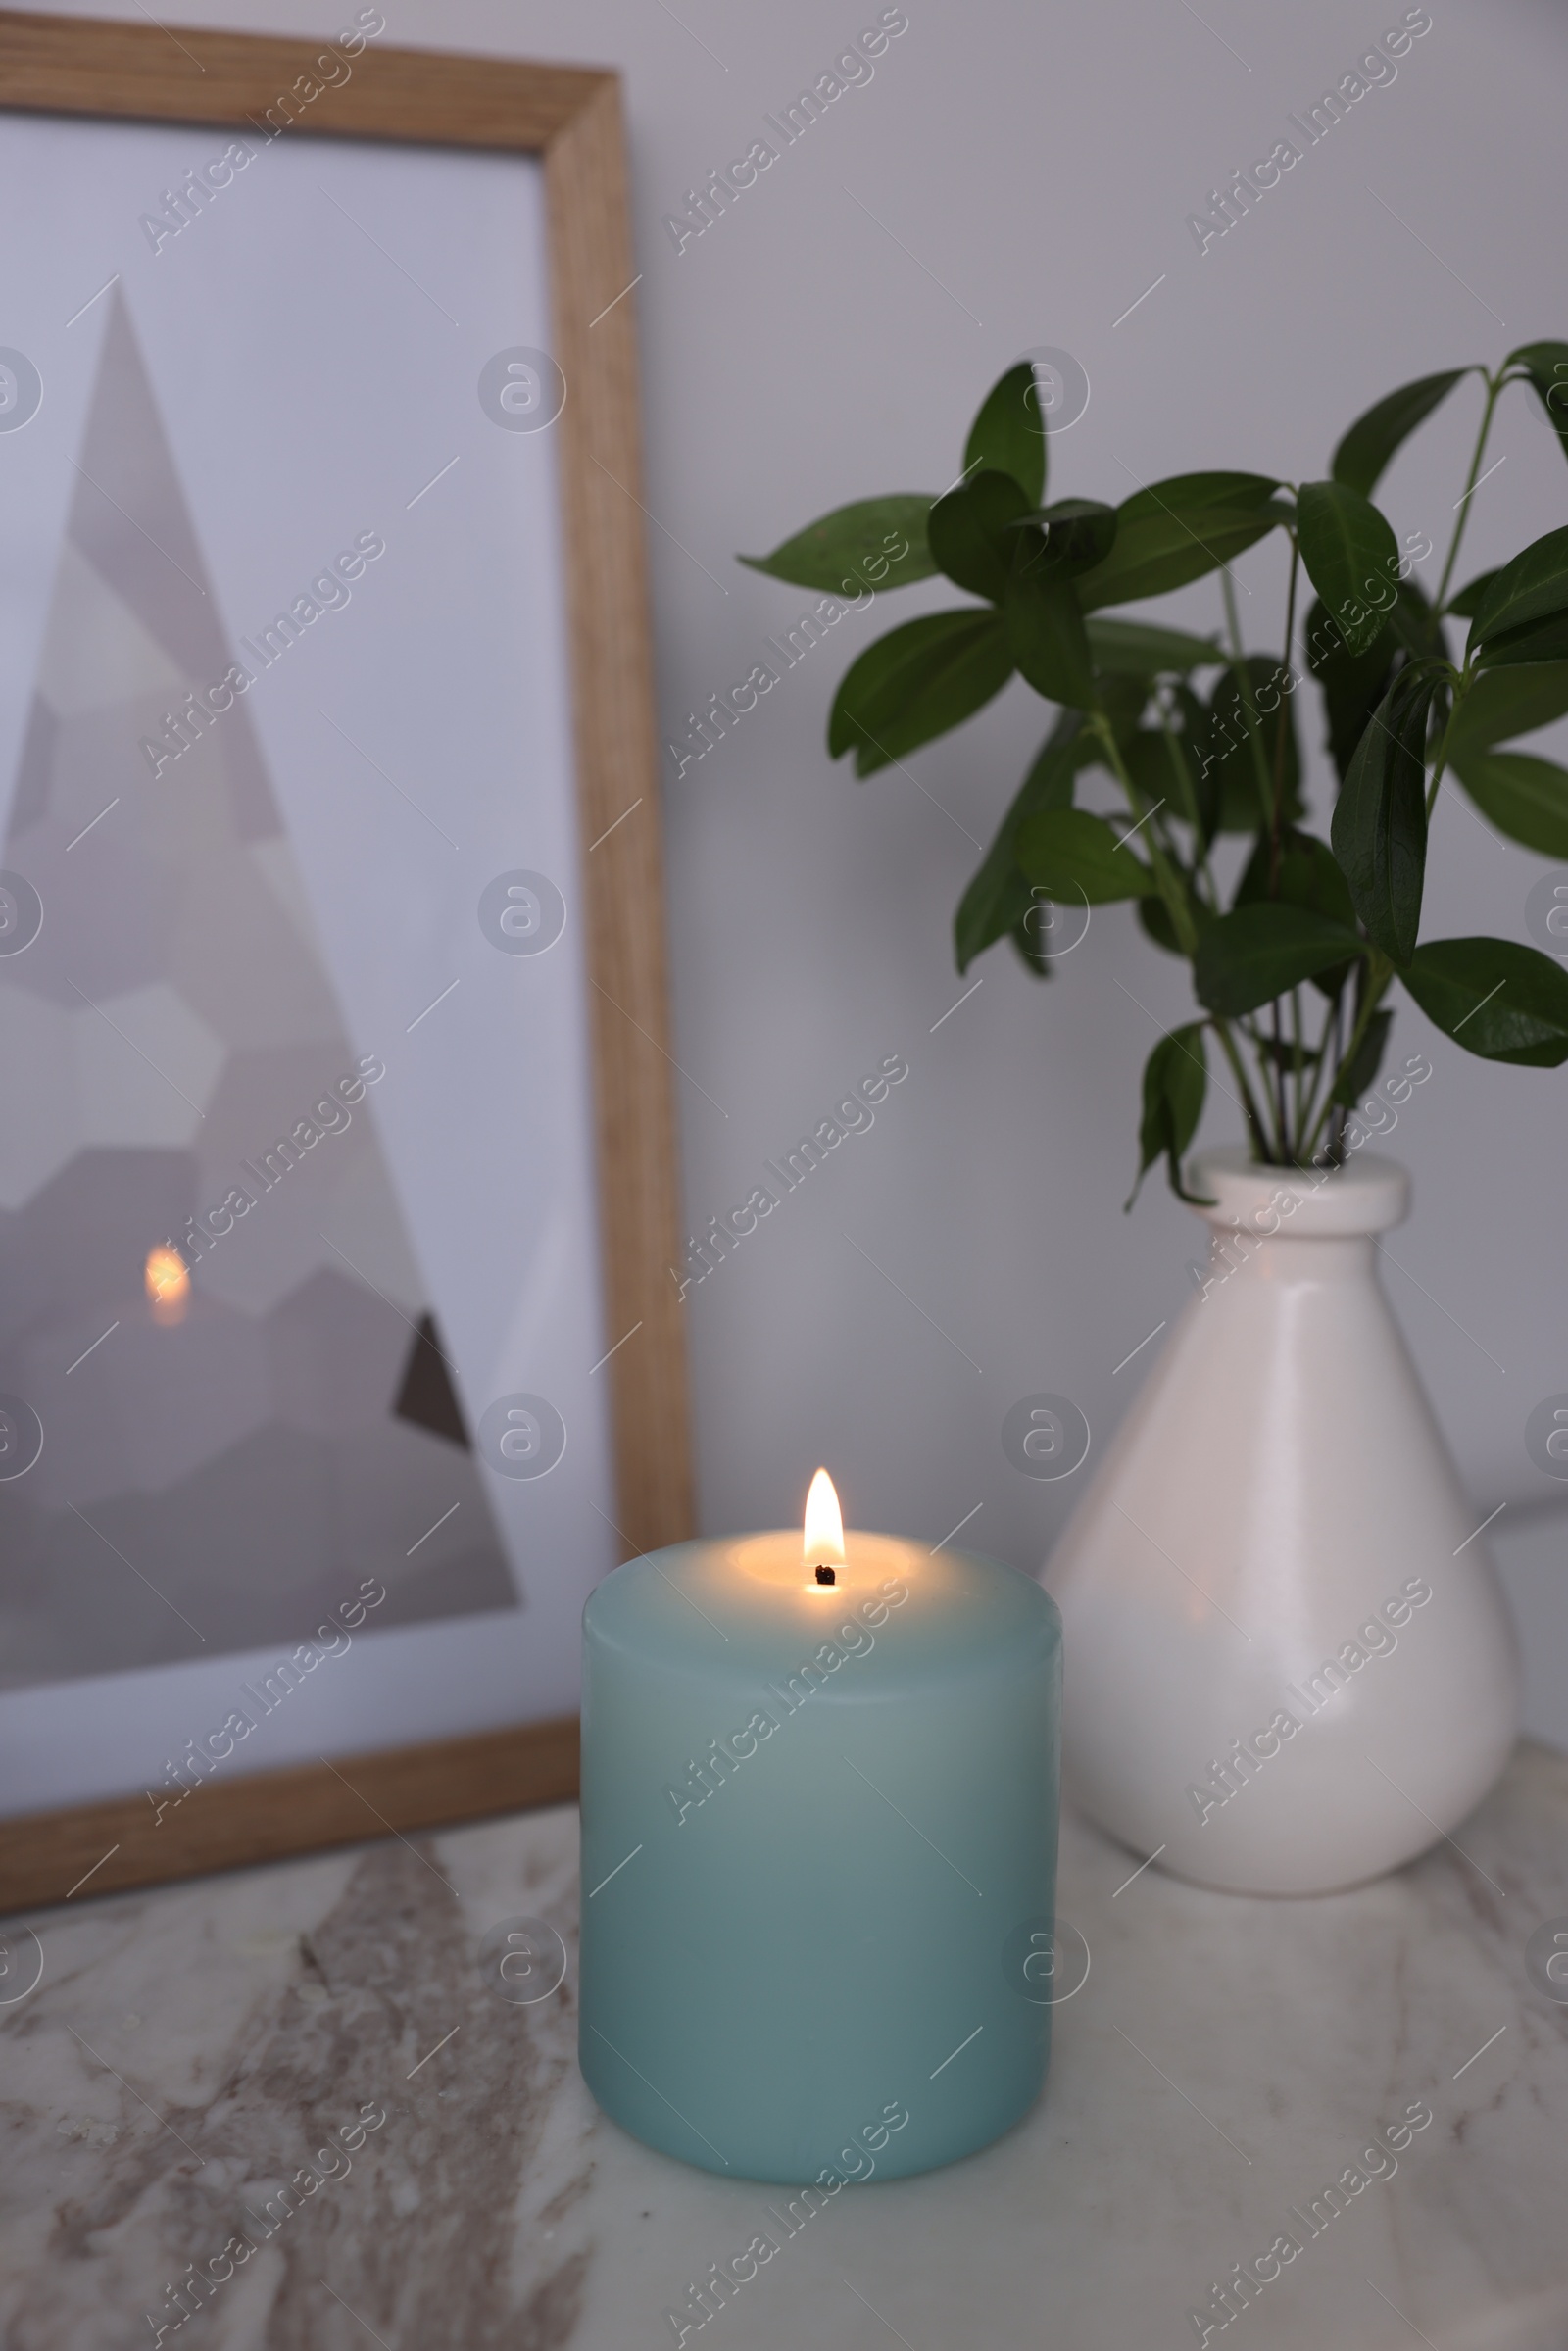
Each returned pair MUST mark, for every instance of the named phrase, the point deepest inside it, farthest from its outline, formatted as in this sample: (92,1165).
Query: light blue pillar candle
(819,1853)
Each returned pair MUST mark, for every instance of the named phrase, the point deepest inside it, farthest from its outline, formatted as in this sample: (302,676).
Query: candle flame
(168,1285)
(825,1523)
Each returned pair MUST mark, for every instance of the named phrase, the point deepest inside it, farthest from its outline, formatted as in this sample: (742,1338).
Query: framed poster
(338,1350)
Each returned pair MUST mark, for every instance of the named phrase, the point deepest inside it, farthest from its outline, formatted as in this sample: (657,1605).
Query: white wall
(1029,170)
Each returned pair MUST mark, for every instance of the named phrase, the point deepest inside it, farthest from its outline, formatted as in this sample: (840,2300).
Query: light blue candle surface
(818,1854)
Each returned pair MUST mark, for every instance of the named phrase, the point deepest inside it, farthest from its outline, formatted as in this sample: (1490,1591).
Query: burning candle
(819,1797)
(166,1279)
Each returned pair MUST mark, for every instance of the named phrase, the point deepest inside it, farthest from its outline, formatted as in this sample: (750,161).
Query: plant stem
(1261,1141)
(1461,689)
(1276,828)
(1328,1059)
(1379,970)
(1178,759)
(1244,685)
(1174,895)
(1297,1072)
(1171,890)
(1379,973)
(1277,1057)
(1282,732)
(1495,387)
(1271,797)
(1266,1064)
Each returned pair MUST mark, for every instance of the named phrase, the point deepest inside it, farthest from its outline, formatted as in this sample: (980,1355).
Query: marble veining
(191,2051)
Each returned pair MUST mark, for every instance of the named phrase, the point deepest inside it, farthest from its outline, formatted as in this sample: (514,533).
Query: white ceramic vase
(1288,1665)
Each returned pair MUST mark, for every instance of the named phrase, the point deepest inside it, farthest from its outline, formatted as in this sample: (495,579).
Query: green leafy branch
(1291,968)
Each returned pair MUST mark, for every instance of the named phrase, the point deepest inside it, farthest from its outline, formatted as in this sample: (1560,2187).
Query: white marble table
(187,2049)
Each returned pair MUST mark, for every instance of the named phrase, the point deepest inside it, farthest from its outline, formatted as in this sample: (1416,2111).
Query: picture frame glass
(303,1425)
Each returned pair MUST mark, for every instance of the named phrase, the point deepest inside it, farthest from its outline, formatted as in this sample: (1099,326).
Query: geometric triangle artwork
(426,1394)
(209,1299)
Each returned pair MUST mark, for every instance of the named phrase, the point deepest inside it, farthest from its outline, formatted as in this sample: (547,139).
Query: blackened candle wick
(826,1575)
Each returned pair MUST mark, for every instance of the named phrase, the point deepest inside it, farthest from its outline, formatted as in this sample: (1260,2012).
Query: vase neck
(1242,1260)
(1299,1205)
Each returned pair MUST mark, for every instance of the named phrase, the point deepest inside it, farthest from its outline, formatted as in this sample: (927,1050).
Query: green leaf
(916,683)
(1154,921)
(1191,491)
(1035,958)
(856,547)
(1548,364)
(1256,953)
(1350,558)
(1226,743)
(1532,587)
(1378,829)
(1502,703)
(1175,1080)
(1162,552)
(1047,638)
(999,899)
(1198,797)
(1361,1070)
(1147,758)
(1468,601)
(1352,683)
(1178,530)
(1539,641)
(1141,649)
(1374,437)
(1123,701)
(1079,533)
(1008,434)
(1500,999)
(1069,854)
(1524,797)
(1309,876)
(972,536)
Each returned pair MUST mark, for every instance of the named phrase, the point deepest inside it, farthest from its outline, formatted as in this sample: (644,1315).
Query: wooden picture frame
(569,117)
